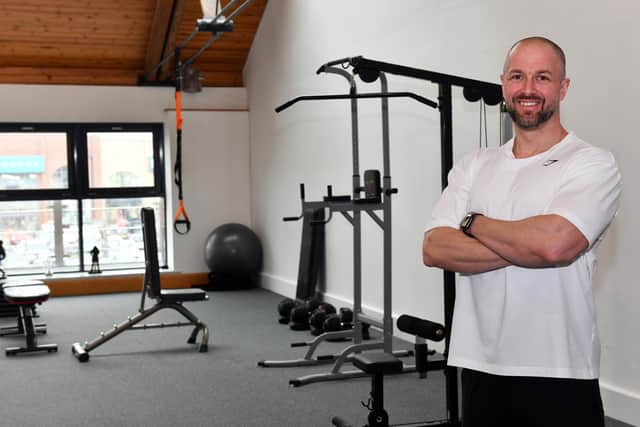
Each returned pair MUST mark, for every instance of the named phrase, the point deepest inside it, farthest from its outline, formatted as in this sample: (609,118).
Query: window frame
(78,188)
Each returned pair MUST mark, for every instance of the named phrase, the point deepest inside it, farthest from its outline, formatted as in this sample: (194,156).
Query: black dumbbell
(346,317)
(316,320)
(284,310)
(299,318)
(332,323)
(312,304)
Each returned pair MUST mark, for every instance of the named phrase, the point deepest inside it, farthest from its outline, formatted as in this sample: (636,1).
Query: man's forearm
(538,241)
(450,249)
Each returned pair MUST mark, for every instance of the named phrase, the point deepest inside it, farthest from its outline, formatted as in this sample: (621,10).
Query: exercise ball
(233,253)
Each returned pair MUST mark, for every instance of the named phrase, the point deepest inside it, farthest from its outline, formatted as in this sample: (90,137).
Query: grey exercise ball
(233,250)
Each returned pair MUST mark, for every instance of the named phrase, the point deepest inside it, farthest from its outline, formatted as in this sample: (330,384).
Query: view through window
(67,188)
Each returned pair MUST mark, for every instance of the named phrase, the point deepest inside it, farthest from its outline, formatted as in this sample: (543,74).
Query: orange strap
(179,110)
(181,219)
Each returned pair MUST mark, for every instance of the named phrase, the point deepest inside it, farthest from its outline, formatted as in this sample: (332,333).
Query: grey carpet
(153,378)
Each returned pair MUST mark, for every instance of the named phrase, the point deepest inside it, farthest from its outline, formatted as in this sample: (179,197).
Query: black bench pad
(177,295)
(378,363)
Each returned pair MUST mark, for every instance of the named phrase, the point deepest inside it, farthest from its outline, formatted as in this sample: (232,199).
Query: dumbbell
(300,313)
(317,318)
(346,317)
(299,318)
(284,310)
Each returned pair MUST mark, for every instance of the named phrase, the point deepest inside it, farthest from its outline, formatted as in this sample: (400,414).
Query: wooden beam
(158,37)
(167,69)
(69,76)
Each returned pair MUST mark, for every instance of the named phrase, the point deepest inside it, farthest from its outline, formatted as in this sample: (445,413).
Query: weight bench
(151,287)
(25,295)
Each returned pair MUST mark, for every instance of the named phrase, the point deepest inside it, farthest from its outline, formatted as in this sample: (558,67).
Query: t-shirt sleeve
(452,205)
(590,193)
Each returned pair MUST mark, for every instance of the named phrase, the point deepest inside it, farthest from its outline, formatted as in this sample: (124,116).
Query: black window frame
(78,170)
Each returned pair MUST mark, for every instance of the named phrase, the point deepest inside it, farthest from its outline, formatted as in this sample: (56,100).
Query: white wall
(215,146)
(311,142)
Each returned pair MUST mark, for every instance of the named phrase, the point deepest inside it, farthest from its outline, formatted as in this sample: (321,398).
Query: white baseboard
(279,285)
(621,404)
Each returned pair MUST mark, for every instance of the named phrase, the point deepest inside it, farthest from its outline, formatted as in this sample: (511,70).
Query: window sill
(67,284)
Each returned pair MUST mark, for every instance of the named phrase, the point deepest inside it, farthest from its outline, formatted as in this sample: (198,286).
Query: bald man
(521,224)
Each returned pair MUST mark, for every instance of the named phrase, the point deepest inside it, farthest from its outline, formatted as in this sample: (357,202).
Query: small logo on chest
(549,162)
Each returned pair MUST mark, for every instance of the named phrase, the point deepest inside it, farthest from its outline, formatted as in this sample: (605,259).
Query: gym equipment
(346,315)
(311,261)
(332,323)
(25,295)
(151,287)
(299,318)
(377,365)
(377,198)
(312,304)
(6,309)
(284,310)
(318,316)
(233,253)
(473,90)
(369,71)
(216,25)
(312,245)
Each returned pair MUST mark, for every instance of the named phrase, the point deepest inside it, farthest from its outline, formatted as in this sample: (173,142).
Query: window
(67,188)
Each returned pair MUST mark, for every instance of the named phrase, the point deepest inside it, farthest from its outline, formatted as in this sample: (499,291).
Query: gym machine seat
(151,287)
(25,295)
(377,365)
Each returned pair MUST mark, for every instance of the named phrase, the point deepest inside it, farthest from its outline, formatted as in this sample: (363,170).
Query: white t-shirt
(531,321)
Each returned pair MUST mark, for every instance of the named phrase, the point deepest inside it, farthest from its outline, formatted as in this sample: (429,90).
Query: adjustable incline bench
(25,295)
(166,298)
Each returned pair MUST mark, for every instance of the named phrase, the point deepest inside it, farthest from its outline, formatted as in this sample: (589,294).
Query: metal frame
(351,208)
(369,71)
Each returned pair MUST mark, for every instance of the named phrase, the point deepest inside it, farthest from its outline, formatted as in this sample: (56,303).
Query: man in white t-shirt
(520,223)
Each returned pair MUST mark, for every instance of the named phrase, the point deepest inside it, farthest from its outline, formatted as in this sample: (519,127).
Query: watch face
(466,221)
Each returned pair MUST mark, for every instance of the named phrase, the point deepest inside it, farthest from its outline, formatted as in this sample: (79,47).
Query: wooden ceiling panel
(115,42)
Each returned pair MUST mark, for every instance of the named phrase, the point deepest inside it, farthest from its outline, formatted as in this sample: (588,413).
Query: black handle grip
(291,218)
(299,344)
(421,327)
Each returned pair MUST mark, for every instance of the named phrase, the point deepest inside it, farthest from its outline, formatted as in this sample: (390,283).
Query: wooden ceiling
(117,42)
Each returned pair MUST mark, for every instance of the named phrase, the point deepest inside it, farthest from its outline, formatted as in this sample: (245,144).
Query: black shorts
(495,400)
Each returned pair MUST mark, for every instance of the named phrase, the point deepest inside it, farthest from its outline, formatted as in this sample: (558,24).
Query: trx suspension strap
(181,218)
(216,25)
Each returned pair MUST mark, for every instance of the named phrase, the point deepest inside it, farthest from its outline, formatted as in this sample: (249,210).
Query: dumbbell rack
(377,200)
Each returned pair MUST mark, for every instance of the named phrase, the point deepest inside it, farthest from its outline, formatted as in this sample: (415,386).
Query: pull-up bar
(420,99)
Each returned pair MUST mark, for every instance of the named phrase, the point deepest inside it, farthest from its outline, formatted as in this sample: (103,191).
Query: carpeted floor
(153,378)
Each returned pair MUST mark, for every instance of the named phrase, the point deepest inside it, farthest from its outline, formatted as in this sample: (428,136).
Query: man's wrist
(467,222)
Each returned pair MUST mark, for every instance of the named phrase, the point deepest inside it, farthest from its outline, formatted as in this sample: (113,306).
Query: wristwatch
(467,221)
